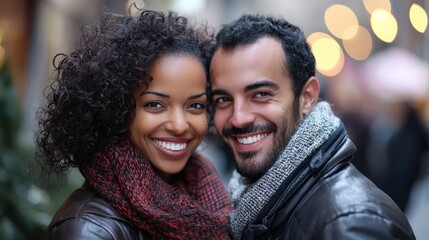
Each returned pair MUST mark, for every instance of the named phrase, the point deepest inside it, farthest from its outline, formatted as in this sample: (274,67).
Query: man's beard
(254,168)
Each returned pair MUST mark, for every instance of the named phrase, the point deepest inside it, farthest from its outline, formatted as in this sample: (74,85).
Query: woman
(129,108)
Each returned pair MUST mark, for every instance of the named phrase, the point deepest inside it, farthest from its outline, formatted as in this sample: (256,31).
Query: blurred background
(372,60)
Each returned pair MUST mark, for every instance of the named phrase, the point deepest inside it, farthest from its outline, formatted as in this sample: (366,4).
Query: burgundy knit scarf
(193,206)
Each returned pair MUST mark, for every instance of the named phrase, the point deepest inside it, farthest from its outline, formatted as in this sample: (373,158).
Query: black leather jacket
(330,199)
(84,215)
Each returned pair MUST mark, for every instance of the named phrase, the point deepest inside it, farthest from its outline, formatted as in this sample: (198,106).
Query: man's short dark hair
(300,62)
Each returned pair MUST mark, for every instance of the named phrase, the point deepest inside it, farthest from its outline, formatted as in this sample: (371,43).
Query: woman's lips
(172,147)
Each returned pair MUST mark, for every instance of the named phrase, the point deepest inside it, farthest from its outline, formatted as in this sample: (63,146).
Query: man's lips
(251,138)
(248,142)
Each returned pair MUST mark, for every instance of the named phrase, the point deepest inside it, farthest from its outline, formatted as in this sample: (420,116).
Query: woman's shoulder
(84,215)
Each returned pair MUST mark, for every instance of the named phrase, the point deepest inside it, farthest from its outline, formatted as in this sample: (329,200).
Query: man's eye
(221,100)
(262,94)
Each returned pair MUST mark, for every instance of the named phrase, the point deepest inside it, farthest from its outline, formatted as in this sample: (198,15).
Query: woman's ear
(309,95)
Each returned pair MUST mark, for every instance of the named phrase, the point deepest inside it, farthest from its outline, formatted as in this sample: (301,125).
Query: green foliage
(26,208)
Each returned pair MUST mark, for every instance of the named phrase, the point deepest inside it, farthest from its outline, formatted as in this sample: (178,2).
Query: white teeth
(170,145)
(252,139)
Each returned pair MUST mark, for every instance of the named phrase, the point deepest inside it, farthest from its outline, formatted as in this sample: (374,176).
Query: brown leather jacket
(84,215)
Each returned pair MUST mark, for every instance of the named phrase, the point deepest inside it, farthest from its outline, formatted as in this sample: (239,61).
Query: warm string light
(372,5)
(384,25)
(343,24)
(341,21)
(360,46)
(356,40)
(327,52)
(418,18)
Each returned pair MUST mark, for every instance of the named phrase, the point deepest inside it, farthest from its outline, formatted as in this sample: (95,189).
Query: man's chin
(248,166)
(250,174)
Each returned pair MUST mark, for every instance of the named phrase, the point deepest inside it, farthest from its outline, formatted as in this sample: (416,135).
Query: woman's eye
(198,106)
(153,105)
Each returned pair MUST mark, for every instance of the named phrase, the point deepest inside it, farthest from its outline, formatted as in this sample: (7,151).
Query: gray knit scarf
(251,198)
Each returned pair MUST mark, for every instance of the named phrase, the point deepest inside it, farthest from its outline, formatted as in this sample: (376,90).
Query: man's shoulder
(349,190)
(348,199)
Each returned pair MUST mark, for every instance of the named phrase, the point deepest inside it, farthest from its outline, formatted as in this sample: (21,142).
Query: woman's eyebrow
(197,95)
(155,93)
(167,96)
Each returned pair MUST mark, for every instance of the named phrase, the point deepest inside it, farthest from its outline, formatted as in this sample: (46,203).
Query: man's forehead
(266,54)
(257,44)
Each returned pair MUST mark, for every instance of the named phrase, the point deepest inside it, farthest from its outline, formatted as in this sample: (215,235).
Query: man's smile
(251,139)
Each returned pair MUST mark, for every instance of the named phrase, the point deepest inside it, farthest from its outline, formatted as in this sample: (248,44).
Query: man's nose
(242,115)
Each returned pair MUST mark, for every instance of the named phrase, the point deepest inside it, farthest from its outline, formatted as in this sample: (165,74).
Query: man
(294,178)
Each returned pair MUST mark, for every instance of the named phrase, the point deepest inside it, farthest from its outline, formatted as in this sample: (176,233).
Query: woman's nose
(177,122)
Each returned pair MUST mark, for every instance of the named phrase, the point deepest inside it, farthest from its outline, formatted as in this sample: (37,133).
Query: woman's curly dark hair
(90,102)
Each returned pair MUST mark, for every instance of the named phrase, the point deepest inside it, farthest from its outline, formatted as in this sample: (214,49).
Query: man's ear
(309,95)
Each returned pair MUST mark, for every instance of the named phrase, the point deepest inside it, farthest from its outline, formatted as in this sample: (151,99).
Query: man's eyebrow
(250,87)
(219,92)
(260,84)
(155,93)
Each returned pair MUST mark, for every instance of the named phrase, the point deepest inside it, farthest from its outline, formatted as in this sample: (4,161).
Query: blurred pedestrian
(405,152)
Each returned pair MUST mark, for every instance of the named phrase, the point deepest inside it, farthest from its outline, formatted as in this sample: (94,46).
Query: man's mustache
(228,132)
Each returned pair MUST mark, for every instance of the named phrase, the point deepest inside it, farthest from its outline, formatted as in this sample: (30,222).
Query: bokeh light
(341,21)
(418,18)
(316,36)
(188,6)
(384,25)
(360,46)
(134,5)
(2,57)
(327,52)
(2,51)
(1,34)
(372,5)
